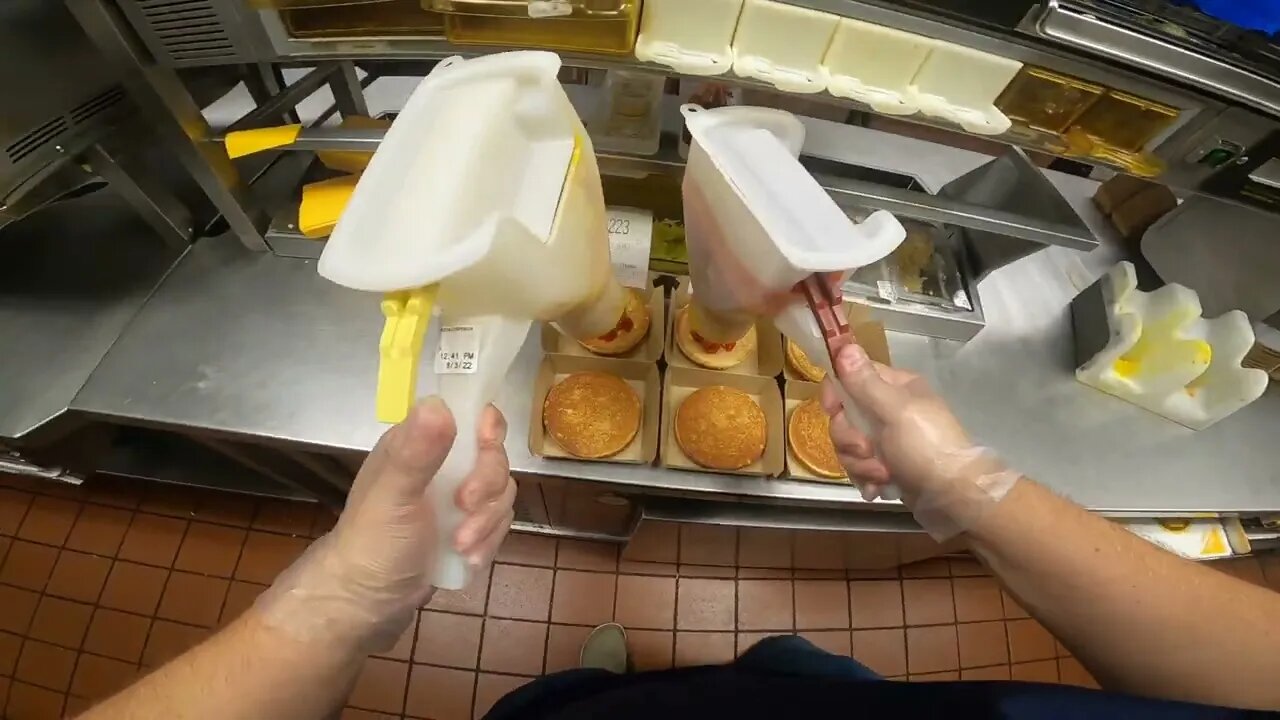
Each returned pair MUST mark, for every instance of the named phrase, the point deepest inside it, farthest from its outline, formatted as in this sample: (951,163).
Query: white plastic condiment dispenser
(484,196)
(757,223)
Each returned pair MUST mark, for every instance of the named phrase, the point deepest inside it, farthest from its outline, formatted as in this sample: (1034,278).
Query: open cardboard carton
(765,360)
(681,382)
(649,350)
(794,393)
(641,376)
(867,332)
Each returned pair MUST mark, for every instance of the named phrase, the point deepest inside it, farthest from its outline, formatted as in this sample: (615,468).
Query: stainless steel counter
(67,289)
(261,347)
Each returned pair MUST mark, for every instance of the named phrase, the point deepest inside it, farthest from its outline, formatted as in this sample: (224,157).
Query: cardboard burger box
(681,382)
(649,350)
(640,375)
(867,332)
(765,360)
(794,393)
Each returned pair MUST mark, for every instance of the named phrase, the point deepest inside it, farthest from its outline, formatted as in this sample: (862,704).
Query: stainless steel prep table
(260,347)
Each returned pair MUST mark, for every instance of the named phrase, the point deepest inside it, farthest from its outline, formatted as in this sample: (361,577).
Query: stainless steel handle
(737,514)
(17,466)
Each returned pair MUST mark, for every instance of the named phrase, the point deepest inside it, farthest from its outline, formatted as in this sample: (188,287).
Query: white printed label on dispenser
(630,235)
(549,8)
(459,352)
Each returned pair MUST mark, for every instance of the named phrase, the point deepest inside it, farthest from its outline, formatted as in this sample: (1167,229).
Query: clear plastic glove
(916,443)
(363,581)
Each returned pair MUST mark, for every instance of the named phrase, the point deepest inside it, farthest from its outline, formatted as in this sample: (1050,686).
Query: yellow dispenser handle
(408,314)
(247,142)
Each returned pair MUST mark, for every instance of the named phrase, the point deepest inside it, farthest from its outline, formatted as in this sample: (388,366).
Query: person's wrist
(965,485)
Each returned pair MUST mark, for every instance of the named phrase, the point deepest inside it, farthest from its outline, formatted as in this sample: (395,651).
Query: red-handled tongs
(824,301)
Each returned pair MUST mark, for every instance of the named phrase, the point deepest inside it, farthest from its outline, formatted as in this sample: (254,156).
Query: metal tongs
(824,302)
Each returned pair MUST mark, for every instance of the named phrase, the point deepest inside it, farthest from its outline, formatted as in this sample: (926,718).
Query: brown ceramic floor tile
(1012,610)
(440,693)
(817,550)
(705,604)
(967,567)
(884,651)
(977,598)
(982,644)
(13,507)
(646,602)
(584,555)
(116,634)
(932,649)
(492,688)
(639,567)
(522,593)
(948,676)
(470,600)
(583,598)
(380,686)
(99,530)
(1043,671)
(325,521)
(135,588)
(123,493)
(98,677)
(708,545)
(28,565)
(193,599)
(822,604)
(265,555)
(29,701)
(5,542)
(76,706)
(210,549)
(1071,672)
(836,642)
(528,549)
(448,639)
(19,606)
(77,576)
(152,539)
(1029,640)
(802,574)
(285,516)
(765,605)
(764,548)
(513,646)
(4,692)
(49,520)
(651,649)
(654,541)
(564,646)
(928,602)
(48,666)
(704,648)
(890,573)
(10,648)
(931,568)
(168,640)
(171,500)
(225,508)
(708,571)
(60,622)
(765,574)
(875,603)
(351,713)
(995,672)
(240,595)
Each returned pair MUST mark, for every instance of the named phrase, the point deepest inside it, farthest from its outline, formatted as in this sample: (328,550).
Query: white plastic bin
(783,45)
(694,38)
(961,84)
(875,65)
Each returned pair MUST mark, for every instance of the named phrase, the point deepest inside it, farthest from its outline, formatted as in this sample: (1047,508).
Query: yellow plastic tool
(323,203)
(352,161)
(408,314)
(247,142)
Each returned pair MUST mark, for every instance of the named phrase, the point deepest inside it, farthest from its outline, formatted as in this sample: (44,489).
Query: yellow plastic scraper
(408,314)
(323,203)
(247,142)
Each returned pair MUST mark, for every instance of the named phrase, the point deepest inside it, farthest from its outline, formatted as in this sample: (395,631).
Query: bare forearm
(1140,619)
(248,670)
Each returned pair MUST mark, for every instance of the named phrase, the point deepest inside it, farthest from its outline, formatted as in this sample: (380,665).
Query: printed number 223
(619,226)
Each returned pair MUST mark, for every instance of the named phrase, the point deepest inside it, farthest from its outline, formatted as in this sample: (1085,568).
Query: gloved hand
(364,580)
(914,442)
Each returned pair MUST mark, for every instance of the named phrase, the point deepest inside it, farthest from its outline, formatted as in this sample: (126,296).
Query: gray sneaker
(606,649)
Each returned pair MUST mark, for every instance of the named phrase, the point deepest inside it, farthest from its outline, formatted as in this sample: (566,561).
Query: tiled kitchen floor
(103,582)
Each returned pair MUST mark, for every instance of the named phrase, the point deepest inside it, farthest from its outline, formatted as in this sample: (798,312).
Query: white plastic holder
(783,45)
(961,84)
(693,38)
(875,65)
(1155,355)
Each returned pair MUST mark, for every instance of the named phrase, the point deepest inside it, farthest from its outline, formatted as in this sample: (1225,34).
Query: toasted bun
(809,435)
(802,365)
(718,360)
(721,427)
(632,328)
(592,414)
